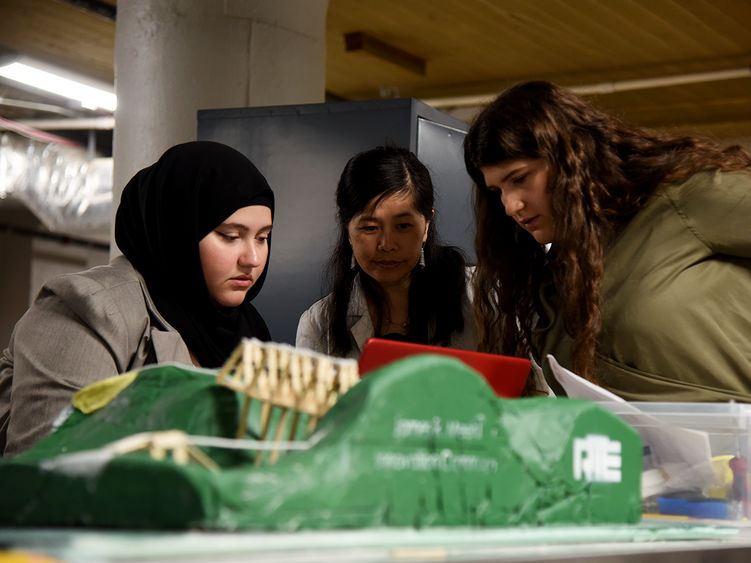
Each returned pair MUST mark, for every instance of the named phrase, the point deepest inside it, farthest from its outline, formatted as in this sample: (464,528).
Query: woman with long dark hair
(623,252)
(389,275)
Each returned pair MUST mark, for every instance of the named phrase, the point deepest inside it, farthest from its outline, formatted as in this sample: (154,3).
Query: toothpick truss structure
(290,380)
(160,445)
(295,381)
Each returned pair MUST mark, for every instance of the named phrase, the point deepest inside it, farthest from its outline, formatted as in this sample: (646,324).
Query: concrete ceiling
(453,53)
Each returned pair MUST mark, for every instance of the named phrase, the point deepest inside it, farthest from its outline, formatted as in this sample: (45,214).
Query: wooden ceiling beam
(360,41)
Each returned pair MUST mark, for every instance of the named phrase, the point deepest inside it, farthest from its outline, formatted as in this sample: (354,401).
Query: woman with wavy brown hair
(623,252)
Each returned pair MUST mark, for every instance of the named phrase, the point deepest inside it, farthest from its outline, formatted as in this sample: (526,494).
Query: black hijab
(165,210)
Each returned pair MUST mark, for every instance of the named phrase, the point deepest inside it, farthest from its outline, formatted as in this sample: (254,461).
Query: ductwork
(68,192)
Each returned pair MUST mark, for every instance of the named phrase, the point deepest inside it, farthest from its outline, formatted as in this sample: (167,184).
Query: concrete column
(174,57)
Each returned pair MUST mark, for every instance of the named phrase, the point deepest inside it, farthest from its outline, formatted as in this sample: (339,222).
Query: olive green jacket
(676,297)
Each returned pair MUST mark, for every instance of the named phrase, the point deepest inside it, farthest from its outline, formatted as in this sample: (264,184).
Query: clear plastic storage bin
(695,457)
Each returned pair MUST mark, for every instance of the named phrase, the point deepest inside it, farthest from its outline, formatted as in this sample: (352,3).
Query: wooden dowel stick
(229,364)
(278,435)
(312,422)
(243,423)
(265,417)
(293,426)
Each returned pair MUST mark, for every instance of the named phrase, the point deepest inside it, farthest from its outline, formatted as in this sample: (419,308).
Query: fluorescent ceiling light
(38,76)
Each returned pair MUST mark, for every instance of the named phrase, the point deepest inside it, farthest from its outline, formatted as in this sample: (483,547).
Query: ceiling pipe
(662,81)
(101,123)
(107,123)
(37,106)
(606,87)
(34,133)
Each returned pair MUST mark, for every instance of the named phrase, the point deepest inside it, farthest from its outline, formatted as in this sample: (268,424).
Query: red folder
(506,375)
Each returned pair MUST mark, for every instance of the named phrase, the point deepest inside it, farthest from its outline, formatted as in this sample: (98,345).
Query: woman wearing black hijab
(194,229)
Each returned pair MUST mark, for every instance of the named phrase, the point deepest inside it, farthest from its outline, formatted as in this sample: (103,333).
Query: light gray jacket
(312,332)
(81,328)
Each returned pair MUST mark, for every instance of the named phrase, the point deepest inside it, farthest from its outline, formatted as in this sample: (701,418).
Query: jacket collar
(167,342)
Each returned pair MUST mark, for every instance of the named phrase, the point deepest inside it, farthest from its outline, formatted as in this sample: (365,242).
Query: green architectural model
(421,442)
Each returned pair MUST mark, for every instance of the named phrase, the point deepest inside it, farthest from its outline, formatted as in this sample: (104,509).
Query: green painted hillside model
(421,442)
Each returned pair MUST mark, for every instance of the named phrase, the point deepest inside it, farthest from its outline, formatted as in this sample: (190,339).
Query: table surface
(663,541)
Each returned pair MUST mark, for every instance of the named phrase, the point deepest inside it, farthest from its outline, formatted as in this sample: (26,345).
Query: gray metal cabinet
(302,149)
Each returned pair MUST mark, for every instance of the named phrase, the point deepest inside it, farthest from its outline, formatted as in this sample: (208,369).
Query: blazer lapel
(358,317)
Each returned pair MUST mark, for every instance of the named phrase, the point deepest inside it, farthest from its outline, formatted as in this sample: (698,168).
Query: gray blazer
(313,334)
(81,328)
